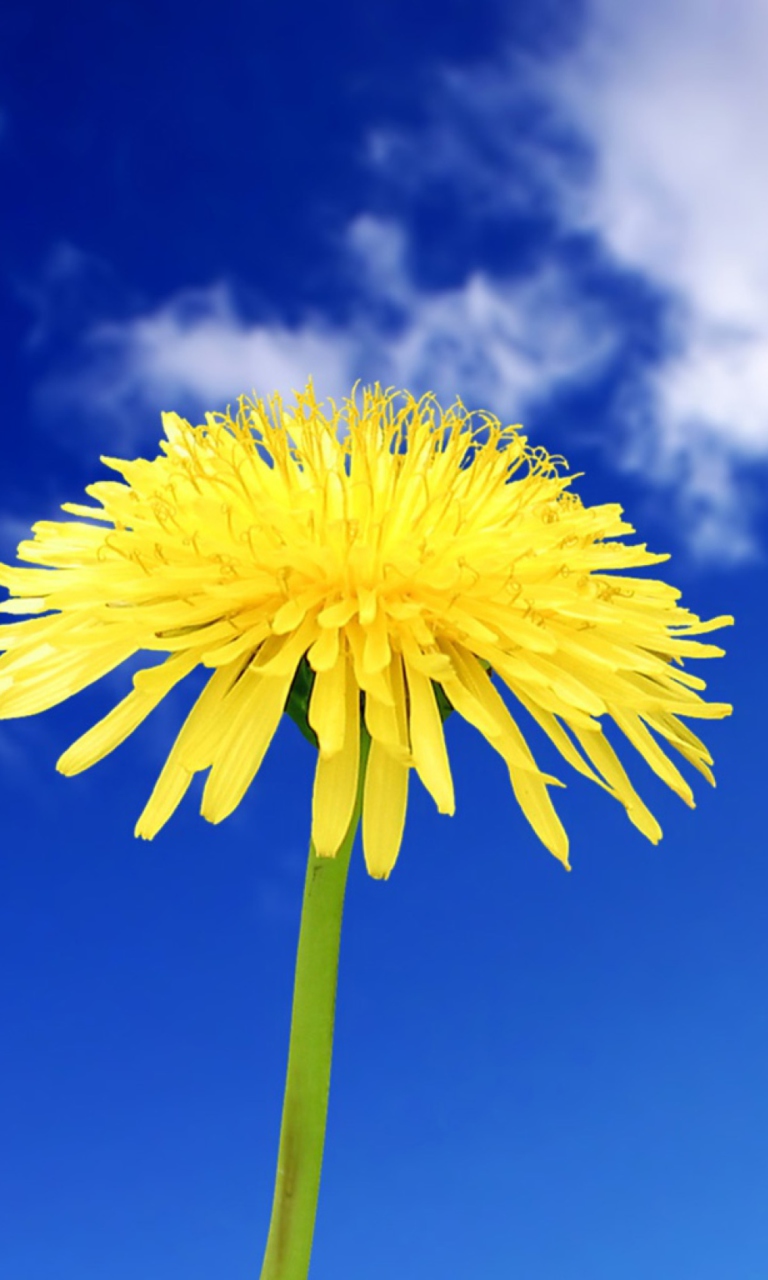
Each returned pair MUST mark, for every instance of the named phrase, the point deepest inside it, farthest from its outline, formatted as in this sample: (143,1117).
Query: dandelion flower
(369,570)
(370,567)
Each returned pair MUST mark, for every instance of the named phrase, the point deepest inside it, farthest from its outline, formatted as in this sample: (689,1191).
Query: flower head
(386,559)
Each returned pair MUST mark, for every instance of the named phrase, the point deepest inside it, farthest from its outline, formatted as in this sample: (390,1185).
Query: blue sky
(557,212)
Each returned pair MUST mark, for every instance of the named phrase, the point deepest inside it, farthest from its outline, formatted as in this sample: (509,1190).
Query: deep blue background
(537,1074)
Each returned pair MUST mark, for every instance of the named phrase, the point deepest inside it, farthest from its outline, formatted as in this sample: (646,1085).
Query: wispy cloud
(501,343)
(644,134)
(672,100)
(193,352)
(636,144)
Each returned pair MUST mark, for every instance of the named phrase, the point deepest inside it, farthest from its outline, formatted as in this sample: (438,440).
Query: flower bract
(375,564)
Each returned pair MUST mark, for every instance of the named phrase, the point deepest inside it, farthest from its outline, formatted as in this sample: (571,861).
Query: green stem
(305,1105)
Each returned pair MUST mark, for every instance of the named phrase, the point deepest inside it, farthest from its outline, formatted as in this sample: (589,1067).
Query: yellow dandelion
(368,568)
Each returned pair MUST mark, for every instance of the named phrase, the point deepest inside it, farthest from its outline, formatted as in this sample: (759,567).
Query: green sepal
(297,705)
(444,704)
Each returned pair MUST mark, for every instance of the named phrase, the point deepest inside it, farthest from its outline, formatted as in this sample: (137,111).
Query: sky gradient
(556,212)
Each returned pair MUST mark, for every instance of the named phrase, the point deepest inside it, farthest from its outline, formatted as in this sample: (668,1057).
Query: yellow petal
(557,734)
(690,747)
(209,718)
(328,704)
(385,799)
(387,721)
(286,652)
(430,755)
(29,604)
(245,743)
(477,699)
(603,756)
(376,651)
(574,692)
(176,774)
(373,682)
(324,652)
(121,721)
(339,613)
(246,643)
(335,788)
(167,794)
(634,729)
(534,800)
(61,676)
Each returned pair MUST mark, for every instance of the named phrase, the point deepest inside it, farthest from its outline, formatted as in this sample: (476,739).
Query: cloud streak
(672,101)
(638,143)
(644,136)
(499,343)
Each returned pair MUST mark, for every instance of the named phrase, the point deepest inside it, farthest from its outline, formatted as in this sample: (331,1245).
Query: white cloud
(196,345)
(673,99)
(645,132)
(190,354)
(499,344)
